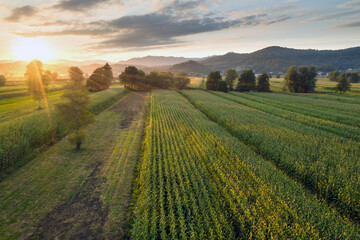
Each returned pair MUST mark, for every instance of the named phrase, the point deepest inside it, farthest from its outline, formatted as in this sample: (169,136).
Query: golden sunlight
(32,48)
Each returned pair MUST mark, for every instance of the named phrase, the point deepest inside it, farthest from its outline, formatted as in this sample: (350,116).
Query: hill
(191,67)
(278,59)
(158,60)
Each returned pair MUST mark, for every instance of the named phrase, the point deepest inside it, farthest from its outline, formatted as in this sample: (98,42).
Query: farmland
(68,194)
(188,164)
(30,130)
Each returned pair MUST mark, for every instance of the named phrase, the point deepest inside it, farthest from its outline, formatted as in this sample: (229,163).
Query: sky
(115,30)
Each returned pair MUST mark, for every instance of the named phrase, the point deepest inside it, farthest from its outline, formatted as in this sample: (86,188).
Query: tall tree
(74,110)
(343,84)
(247,81)
(302,80)
(212,80)
(37,83)
(100,79)
(108,74)
(230,77)
(222,86)
(129,76)
(2,80)
(263,84)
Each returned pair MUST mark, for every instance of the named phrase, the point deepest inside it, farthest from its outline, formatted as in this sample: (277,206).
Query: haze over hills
(158,60)
(271,59)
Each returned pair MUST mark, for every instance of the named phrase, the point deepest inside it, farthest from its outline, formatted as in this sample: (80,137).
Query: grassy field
(85,194)
(196,82)
(30,131)
(322,85)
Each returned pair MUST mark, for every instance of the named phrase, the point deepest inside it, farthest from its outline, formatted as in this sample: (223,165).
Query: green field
(322,85)
(25,131)
(189,164)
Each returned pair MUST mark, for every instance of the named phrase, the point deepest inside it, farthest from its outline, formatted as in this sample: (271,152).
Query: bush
(343,84)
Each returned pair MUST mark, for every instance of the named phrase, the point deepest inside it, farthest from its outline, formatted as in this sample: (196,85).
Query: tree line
(246,81)
(297,80)
(136,79)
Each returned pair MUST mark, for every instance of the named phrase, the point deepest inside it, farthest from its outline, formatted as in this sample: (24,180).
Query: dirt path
(100,209)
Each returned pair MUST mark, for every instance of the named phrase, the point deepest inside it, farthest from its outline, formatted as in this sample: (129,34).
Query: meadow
(188,164)
(26,131)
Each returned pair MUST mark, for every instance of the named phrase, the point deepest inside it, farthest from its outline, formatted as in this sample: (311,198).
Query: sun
(32,48)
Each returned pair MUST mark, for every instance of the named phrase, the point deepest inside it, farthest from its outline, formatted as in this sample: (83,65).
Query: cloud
(48,24)
(335,16)
(78,32)
(159,29)
(291,1)
(279,19)
(167,26)
(349,25)
(79,5)
(21,12)
(351,4)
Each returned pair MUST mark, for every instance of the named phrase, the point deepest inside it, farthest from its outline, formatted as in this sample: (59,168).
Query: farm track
(100,208)
(228,125)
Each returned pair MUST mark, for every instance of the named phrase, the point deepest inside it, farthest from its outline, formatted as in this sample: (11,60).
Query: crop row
(193,185)
(338,112)
(336,97)
(323,162)
(333,127)
(352,109)
(23,137)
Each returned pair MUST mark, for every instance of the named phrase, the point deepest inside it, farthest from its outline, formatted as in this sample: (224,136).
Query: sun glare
(32,48)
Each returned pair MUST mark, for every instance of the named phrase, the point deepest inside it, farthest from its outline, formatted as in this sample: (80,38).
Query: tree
(129,76)
(333,76)
(343,84)
(100,79)
(74,110)
(222,86)
(263,84)
(37,83)
(180,81)
(307,78)
(212,80)
(2,80)
(108,74)
(247,81)
(302,80)
(47,76)
(230,77)
(354,78)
